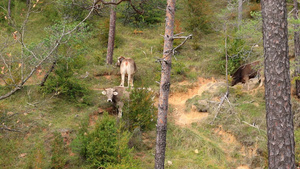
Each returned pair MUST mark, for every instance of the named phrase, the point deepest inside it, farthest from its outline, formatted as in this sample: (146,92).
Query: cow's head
(120,60)
(110,93)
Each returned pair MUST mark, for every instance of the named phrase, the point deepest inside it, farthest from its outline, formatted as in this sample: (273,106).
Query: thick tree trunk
(240,13)
(280,129)
(8,8)
(297,49)
(161,127)
(111,35)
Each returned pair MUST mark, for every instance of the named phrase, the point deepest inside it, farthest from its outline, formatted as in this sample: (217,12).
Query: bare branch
(183,42)
(57,43)
(220,104)
(254,126)
(120,1)
(4,127)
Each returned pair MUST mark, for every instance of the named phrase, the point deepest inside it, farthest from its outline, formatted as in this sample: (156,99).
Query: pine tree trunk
(8,8)
(297,49)
(161,127)
(111,35)
(280,129)
(240,13)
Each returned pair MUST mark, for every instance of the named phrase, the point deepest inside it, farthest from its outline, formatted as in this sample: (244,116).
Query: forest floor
(185,119)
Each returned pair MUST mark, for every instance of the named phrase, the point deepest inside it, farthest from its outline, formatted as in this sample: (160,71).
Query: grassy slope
(41,116)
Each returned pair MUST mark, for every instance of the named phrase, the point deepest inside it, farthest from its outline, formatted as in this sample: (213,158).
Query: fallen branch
(117,3)
(219,107)
(4,127)
(254,126)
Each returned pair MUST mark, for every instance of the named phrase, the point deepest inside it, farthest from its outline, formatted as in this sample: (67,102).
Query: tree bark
(166,61)
(111,35)
(297,49)
(27,2)
(8,8)
(240,13)
(48,73)
(280,129)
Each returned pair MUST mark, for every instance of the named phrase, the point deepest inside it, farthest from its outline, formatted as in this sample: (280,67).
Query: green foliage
(236,52)
(198,17)
(250,29)
(58,160)
(106,145)
(102,31)
(297,141)
(153,12)
(178,68)
(73,11)
(140,110)
(70,59)
(63,82)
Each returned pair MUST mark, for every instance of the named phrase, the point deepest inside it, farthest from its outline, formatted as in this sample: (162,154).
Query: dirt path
(185,119)
(181,117)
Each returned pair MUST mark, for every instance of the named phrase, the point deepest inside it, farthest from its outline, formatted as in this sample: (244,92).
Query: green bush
(236,51)
(198,17)
(106,146)
(140,110)
(63,82)
(153,12)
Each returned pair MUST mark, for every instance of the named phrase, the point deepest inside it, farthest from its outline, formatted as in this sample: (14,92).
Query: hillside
(67,123)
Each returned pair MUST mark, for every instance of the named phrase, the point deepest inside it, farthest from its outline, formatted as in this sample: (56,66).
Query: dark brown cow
(246,72)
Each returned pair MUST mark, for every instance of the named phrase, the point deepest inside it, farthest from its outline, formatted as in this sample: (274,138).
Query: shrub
(236,52)
(106,145)
(140,110)
(198,17)
(63,82)
(153,13)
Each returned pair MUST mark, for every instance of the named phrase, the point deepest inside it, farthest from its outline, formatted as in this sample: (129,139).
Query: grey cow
(117,95)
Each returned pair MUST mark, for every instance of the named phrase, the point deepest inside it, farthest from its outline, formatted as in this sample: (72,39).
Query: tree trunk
(280,129)
(111,35)
(297,49)
(8,8)
(161,127)
(48,73)
(27,2)
(240,13)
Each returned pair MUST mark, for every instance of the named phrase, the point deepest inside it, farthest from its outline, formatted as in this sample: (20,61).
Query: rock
(196,151)
(214,88)
(170,163)
(201,106)
(10,113)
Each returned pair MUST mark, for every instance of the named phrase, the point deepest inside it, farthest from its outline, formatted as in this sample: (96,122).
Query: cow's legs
(122,79)
(120,106)
(130,80)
